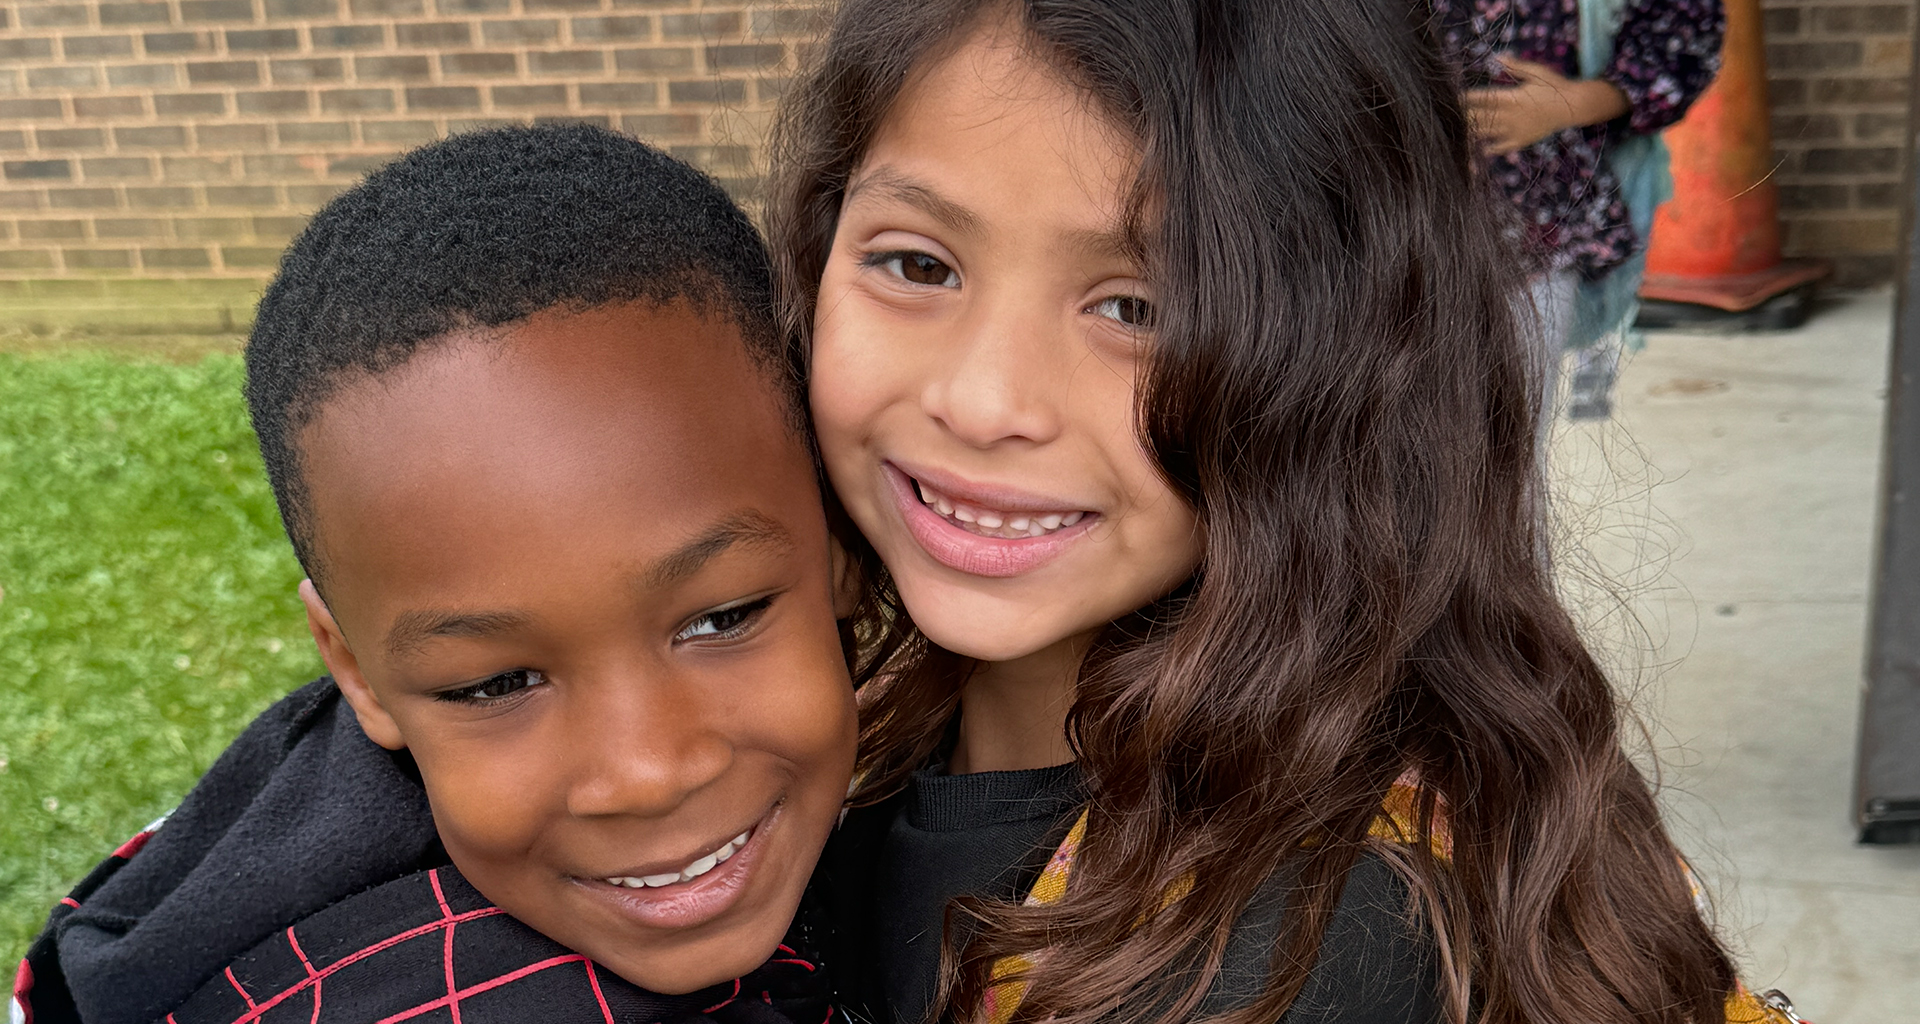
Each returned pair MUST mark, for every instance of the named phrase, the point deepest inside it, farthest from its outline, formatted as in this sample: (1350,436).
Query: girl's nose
(641,757)
(1001,382)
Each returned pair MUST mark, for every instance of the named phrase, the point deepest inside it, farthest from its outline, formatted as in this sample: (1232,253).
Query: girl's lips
(690,903)
(968,552)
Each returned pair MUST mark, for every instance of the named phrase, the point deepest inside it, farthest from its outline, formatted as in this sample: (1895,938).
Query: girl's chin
(975,626)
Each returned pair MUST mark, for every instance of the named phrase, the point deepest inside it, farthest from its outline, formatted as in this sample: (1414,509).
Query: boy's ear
(846,580)
(345,669)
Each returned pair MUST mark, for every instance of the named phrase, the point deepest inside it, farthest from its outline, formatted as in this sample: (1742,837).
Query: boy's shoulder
(430,944)
(299,812)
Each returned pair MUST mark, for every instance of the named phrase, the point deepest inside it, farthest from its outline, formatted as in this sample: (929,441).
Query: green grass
(148,610)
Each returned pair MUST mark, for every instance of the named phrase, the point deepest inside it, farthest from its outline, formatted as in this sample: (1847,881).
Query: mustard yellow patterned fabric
(1397,823)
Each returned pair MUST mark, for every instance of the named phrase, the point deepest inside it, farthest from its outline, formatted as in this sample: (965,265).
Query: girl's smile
(985,531)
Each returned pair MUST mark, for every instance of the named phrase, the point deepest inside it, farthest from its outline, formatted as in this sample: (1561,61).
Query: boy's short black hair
(481,230)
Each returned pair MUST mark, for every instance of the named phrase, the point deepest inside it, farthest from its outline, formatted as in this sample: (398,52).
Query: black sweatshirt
(303,880)
(890,869)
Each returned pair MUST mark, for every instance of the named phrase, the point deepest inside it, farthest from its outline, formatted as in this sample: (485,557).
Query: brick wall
(1837,77)
(191,138)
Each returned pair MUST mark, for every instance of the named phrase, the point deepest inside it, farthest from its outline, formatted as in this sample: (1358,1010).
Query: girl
(1162,353)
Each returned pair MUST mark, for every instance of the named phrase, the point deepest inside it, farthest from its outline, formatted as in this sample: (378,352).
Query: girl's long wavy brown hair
(1338,385)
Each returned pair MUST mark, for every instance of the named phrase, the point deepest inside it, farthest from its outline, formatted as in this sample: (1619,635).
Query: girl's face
(979,332)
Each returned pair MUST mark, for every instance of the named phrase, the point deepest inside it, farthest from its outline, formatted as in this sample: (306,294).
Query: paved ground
(1726,517)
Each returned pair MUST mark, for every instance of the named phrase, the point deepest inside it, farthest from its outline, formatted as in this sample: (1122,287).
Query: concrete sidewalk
(1718,534)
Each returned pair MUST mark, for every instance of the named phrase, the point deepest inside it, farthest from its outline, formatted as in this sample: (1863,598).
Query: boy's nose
(641,756)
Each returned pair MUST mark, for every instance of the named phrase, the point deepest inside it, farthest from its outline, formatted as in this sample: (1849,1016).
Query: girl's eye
(1129,310)
(724,624)
(915,268)
(493,688)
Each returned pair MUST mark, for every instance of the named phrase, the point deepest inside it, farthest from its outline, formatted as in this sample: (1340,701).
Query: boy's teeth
(992,523)
(688,873)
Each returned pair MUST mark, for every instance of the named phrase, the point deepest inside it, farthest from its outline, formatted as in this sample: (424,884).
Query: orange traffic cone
(1717,242)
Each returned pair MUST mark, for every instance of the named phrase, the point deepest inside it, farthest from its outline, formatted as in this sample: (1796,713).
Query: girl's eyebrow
(887,183)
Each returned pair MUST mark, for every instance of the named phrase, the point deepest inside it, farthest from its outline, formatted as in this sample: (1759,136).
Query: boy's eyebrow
(744,527)
(412,629)
(891,184)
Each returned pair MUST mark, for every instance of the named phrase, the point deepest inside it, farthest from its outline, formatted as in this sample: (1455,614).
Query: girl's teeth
(700,867)
(1013,525)
(655,881)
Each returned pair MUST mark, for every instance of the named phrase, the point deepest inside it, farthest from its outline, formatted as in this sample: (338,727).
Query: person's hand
(1543,101)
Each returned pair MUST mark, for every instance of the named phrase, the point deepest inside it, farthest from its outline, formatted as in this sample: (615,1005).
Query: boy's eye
(915,268)
(1130,310)
(724,624)
(496,687)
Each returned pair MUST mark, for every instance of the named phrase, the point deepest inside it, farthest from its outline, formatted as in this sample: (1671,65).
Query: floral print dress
(1665,54)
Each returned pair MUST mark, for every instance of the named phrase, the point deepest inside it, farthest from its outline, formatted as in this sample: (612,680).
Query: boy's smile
(578,567)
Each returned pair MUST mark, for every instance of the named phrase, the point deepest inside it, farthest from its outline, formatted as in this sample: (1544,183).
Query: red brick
(1822,56)
(657,126)
(386,8)
(210,229)
(811,21)
(69,138)
(1850,235)
(347,37)
(654,60)
(1852,161)
(619,94)
(12,141)
(98,259)
(278,227)
(529,95)
(243,195)
(129,227)
(1860,90)
(134,14)
(216,10)
(560,5)
(37,170)
(1813,197)
(188,103)
(1879,19)
(444,97)
(434,34)
(249,257)
(356,100)
(309,133)
(52,230)
(306,69)
(108,106)
(522,31)
(473,6)
(223,72)
(357,165)
(1880,195)
(699,26)
(503,65)
(301,9)
(563,62)
(262,40)
(52,15)
(745,55)
(390,67)
(167,136)
(163,43)
(82,198)
(21,109)
(77,76)
(26,259)
(406,133)
(25,49)
(1778,22)
(103,167)
(84,47)
(707,90)
(230,136)
(175,259)
(614,28)
(310,196)
(285,101)
(160,198)
(1792,127)
(130,75)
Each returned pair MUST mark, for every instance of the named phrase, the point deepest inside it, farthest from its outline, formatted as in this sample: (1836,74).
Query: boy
(588,722)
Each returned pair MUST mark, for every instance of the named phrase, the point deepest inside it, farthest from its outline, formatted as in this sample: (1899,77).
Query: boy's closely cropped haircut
(481,230)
